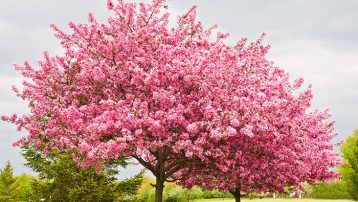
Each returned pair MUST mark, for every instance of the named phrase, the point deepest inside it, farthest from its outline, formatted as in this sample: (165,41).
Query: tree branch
(144,163)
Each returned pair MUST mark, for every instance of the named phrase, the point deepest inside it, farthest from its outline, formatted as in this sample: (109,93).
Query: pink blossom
(37,143)
(235,123)
(192,128)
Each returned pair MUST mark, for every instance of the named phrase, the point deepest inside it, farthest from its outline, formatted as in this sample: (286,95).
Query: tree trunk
(159,188)
(237,195)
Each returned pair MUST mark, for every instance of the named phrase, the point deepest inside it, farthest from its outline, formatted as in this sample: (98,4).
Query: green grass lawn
(273,200)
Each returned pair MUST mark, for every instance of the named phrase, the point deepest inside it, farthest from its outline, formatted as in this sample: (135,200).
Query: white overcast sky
(316,40)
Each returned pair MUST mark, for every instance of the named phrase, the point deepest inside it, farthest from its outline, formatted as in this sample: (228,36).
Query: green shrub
(254,195)
(175,193)
(144,197)
(208,194)
(178,194)
(333,190)
(214,194)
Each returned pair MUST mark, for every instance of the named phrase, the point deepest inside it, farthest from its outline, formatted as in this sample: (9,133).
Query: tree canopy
(179,102)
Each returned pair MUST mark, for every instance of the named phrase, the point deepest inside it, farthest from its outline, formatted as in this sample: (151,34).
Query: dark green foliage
(349,170)
(333,190)
(60,179)
(127,189)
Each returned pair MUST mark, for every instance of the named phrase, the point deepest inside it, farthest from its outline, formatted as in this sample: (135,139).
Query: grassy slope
(274,200)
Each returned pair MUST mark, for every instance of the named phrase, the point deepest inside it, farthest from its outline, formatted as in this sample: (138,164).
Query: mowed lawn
(274,200)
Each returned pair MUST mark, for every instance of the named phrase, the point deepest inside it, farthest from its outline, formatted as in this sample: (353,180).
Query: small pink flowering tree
(266,139)
(179,103)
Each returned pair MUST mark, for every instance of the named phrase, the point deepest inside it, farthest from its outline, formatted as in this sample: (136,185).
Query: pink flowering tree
(132,87)
(179,103)
(265,137)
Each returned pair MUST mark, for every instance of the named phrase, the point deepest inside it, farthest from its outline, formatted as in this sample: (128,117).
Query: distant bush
(173,194)
(215,194)
(176,193)
(333,190)
(254,195)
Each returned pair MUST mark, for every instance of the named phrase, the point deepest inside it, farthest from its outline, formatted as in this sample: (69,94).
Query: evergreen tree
(61,179)
(7,184)
(128,188)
